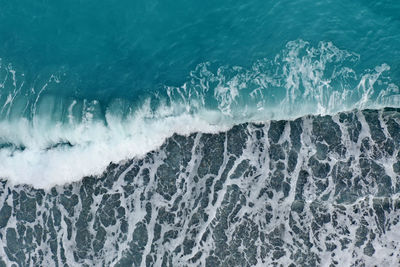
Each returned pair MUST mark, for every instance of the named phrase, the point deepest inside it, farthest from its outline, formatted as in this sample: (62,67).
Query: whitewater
(63,140)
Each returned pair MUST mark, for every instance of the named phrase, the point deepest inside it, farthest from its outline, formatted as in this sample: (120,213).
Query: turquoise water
(84,83)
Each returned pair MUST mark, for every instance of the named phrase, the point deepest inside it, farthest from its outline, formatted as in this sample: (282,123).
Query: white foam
(300,80)
(94,145)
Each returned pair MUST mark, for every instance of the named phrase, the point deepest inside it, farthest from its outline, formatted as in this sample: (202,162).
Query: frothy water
(49,140)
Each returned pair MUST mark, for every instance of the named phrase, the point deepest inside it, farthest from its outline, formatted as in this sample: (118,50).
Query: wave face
(47,140)
(315,191)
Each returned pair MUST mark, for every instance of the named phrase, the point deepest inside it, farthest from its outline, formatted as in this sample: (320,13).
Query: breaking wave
(48,138)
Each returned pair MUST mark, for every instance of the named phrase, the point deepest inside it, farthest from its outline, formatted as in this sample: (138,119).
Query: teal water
(115,78)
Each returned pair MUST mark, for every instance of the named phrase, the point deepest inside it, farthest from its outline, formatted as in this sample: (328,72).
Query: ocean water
(199,133)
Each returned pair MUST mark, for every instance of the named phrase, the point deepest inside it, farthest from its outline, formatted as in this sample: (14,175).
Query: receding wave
(47,138)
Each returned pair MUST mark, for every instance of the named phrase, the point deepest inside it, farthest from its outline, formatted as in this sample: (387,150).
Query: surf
(48,140)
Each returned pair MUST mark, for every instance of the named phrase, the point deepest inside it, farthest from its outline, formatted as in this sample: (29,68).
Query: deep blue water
(66,65)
